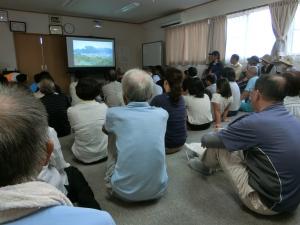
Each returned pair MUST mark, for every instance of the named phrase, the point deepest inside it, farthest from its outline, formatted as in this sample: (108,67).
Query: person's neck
(265,104)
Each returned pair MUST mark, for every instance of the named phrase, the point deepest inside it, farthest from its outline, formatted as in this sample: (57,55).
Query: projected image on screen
(92,53)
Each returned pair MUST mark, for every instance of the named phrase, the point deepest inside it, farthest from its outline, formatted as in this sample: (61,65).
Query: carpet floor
(191,199)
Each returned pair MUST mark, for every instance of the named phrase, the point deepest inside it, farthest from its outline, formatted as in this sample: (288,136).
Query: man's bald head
(272,87)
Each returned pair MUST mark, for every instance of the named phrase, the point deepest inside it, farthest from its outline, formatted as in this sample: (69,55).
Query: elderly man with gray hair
(136,167)
(24,148)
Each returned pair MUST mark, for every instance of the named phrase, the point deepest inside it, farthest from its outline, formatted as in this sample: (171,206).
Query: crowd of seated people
(141,118)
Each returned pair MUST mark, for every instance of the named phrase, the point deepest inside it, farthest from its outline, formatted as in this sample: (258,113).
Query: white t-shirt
(86,120)
(236,94)
(223,102)
(54,173)
(292,104)
(198,109)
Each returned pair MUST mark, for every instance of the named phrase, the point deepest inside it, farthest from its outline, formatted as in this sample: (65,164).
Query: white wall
(153,32)
(128,36)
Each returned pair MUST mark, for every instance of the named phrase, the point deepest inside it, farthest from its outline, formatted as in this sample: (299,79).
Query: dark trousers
(198,127)
(232,113)
(79,190)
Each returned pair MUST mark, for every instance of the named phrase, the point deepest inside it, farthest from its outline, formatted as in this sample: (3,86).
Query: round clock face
(69,28)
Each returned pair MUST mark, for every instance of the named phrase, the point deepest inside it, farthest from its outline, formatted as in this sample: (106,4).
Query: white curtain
(282,14)
(249,33)
(187,44)
(217,35)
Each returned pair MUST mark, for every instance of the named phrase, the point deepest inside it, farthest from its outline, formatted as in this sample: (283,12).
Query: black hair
(211,78)
(3,80)
(192,71)
(293,83)
(21,78)
(223,88)
(87,88)
(228,73)
(272,87)
(236,56)
(174,78)
(196,88)
(111,75)
(216,53)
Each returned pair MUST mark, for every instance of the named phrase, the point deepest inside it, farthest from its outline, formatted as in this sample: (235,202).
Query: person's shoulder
(73,215)
(216,96)
(158,99)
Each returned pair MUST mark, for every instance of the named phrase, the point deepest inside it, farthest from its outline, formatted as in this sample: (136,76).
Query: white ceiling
(103,9)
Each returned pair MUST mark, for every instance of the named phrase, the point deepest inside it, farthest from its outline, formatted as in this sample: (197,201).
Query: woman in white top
(198,106)
(292,100)
(86,119)
(235,91)
(221,101)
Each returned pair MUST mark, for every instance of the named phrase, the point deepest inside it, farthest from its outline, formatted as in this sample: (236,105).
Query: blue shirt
(176,129)
(65,215)
(271,140)
(251,84)
(140,171)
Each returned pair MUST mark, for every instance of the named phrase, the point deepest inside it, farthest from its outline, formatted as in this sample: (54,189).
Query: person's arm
(241,133)
(212,140)
(225,113)
(217,113)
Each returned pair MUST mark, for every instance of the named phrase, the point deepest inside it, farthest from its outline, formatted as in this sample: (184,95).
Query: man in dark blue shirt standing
(266,173)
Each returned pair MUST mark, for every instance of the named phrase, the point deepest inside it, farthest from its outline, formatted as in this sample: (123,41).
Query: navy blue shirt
(217,68)
(176,127)
(271,143)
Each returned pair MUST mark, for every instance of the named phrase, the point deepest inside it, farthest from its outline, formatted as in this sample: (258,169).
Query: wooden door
(51,55)
(28,54)
(55,52)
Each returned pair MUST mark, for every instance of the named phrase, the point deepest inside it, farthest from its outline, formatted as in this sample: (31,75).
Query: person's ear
(49,148)
(166,85)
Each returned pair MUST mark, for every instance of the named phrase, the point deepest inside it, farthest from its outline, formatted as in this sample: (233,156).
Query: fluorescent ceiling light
(130,6)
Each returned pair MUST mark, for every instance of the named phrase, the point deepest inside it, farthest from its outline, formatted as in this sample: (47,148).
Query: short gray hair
(137,86)
(23,135)
(47,86)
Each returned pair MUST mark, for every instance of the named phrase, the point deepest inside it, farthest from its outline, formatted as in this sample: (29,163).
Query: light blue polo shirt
(140,172)
(251,84)
(66,215)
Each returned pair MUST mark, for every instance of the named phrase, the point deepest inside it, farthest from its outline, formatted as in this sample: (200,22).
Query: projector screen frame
(87,69)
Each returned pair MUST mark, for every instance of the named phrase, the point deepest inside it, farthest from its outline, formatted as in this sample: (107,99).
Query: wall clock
(69,28)
(17,26)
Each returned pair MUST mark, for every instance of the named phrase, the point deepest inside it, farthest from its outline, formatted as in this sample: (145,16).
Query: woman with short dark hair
(87,119)
(221,101)
(198,106)
(229,73)
(173,102)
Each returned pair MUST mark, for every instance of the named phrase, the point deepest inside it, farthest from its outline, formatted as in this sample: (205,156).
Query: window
(293,42)
(249,33)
